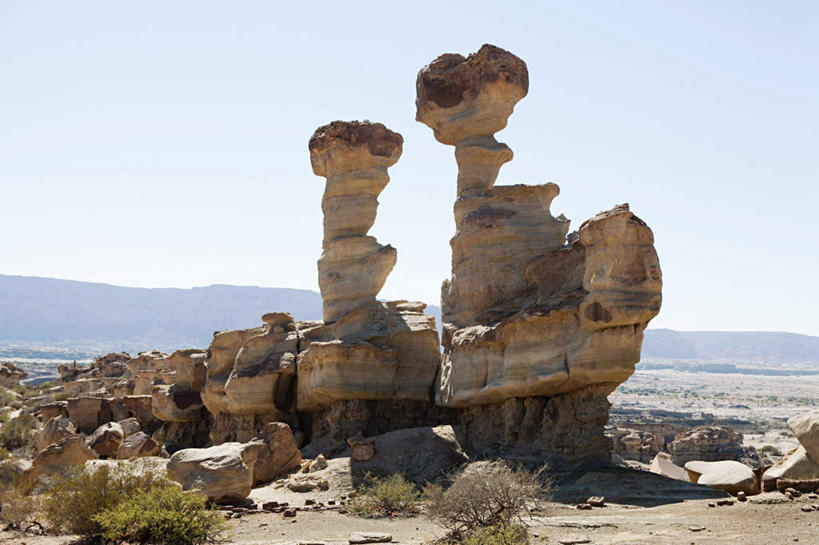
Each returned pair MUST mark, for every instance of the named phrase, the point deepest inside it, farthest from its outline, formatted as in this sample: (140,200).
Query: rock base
(564,429)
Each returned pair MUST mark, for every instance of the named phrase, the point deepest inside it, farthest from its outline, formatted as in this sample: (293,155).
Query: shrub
(16,509)
(770,450)
(499,534)
(486,495)
(73,503)
(18,432)
(385,496)
(164,514)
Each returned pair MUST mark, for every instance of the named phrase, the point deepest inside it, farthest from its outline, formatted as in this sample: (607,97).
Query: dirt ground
(683,523)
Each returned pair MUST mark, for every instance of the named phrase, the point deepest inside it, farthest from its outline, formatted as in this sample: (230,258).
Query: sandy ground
(689,522)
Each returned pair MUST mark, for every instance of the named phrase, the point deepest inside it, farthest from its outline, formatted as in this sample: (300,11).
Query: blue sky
(165,143)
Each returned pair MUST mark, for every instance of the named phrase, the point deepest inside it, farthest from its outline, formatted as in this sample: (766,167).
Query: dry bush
(486,495)
(73,503)
(17,509)
(378,497)
(505,533)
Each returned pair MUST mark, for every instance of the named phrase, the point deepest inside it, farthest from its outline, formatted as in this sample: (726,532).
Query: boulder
(138,445)
(276,453)
(55,430)
(106,439)
(50,410)
(59,457)
(806,428)
(419,454)
(223,473)
(663,465)
(796,465)
(129,426)
(726,475)
(709,444)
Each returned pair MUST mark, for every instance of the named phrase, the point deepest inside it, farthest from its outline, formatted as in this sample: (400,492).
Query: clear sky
(159,143)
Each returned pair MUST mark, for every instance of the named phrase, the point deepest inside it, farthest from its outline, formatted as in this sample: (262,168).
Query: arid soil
(693,521)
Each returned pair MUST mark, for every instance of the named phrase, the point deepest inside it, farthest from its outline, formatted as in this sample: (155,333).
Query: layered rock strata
(251,377)
(547,322)
(365,352)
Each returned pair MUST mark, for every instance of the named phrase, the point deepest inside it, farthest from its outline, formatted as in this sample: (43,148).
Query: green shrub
(499,534)
(485,495)
(18,432)
(770,450)
(165,515)
(73,503)
(378,497)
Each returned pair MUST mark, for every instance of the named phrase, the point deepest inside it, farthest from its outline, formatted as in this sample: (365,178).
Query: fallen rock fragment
(357,538)
(727,475)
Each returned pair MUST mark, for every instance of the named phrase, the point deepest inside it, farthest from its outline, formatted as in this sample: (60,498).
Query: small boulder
(318,464)
(223,473)
(358,538)
(806,428)
(55,429)
(106,439)
(796,465)
(662,465)
(129,426)
(138,445)
(726,475)
(276,452)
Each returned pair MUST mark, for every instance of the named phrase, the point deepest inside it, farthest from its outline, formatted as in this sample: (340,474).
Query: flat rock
(726,475)
(369,537)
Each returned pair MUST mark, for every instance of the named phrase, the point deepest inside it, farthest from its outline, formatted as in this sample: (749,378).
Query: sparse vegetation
(378,497)
(770,450)
(17,509)
(162,514)
(74,503)
(487,503)
(504,533)
(18,432)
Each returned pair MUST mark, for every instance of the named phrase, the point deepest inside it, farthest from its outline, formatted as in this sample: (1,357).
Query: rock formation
(250,377)
(366,354)
(538,327)
(711,444)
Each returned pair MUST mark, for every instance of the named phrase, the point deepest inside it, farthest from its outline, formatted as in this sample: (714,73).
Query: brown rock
(56,458)
(137,445)
(106,439)
(54,430)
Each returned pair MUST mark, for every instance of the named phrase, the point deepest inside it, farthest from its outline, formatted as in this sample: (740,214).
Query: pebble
(697,528)
(725,502)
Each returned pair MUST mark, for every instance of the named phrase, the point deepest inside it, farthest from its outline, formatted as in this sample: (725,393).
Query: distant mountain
(65,313)
(746,347)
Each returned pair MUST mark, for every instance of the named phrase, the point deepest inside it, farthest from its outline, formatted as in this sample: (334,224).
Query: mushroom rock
(366,354)
(538,326)
(251,377)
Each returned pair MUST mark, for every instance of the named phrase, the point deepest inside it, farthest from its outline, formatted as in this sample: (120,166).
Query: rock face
(251,377)
(56,458)
(635,444)
(727,475)
(88,413)
(806,428)
(529,313)
(709,444)
(54,430)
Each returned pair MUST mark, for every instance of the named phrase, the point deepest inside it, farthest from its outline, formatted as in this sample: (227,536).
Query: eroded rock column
(354,157)
(538,327)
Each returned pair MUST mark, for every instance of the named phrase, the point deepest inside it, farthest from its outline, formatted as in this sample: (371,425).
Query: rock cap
(352,145)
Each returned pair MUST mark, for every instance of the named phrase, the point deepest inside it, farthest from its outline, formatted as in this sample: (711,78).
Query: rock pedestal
(546,322)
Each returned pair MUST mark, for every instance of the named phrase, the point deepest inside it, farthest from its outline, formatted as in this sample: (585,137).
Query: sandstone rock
(276,453)
(357,538)
(51,410)
(54,430)
(189,368)
(140,407)
(137,445)
(56,458)
(223,473)
(663,465)
(727,475)
(806,428)
(106,439)
(10,375)
(170,404)
(129,426)
(318,464)
(307,483)
(88,413)
(709,444)
(419,454)
(632,444)
(528,311)
(354,157)
(363,449)
(797,465)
